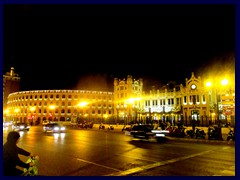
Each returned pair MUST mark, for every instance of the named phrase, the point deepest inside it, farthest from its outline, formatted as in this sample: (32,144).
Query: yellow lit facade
(128,99)
(59,105)
(127,104)
(11,83)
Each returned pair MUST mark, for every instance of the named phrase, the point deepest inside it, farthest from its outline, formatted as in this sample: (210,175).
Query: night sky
(87,46)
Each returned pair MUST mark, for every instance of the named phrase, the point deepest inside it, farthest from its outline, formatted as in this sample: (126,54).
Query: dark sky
(86,46)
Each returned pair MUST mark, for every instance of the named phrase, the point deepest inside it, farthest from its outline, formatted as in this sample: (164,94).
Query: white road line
(229,172)
(89,162)
(133,157)
(157,164)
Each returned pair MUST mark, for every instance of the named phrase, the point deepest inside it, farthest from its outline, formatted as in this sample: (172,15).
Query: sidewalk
(187,139)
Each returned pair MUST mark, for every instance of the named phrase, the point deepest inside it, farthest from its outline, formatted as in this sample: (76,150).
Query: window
(204,98)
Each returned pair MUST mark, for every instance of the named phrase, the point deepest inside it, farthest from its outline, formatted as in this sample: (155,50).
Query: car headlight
(160,135)
(63,128)
(56,128)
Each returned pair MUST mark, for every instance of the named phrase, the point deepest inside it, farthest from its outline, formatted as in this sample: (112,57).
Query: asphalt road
(94,152)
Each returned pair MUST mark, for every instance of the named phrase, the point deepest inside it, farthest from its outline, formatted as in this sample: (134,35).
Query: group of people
(11,154)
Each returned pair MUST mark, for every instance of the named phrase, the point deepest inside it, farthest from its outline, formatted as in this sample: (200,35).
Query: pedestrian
(10,156)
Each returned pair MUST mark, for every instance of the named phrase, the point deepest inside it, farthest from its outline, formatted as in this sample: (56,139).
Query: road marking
(140,158)
(157,164)
(89,162)
(229,172)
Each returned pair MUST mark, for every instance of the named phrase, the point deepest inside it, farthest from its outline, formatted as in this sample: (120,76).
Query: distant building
(60,105)
(127,99)
(11,83)
(128,104)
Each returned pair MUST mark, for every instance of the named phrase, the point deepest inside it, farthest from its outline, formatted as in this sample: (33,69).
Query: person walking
(10,156)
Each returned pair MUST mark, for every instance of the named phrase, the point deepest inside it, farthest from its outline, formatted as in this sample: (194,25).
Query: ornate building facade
(127,104)
(11,83)
(60,105)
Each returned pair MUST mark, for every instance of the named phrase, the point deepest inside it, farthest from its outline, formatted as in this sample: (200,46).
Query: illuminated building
(11,83)
(59,105)
(127,99)
(127,104)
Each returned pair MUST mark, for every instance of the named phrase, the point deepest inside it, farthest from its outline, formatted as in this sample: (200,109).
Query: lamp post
(217,99)
(117,120)
(132,108)
(6,113)
(81,105)
(32,116)
(52,112)
(16,111)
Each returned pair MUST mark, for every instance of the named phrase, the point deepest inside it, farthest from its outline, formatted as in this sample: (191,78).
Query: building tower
(127,99)
(11,83)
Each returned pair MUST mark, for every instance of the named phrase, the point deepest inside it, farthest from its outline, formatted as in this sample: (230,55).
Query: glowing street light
(52,108)
(130,104)
(223,82)
(82,105)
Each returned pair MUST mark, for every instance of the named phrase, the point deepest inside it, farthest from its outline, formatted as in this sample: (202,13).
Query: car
(21,127)
(7,124)
(54,127)
(146,131)
(45,122)
(142,131)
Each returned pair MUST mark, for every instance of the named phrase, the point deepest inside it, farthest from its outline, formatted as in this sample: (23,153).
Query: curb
(201,140)
(186,139)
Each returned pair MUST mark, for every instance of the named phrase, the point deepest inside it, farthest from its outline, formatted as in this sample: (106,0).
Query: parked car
(45,122)
(54,127)
(101,126)
(21,127)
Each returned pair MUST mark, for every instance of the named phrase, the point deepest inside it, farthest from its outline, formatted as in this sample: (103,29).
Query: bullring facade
(127,104)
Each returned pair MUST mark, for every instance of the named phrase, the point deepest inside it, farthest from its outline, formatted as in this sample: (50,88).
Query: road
(94,152)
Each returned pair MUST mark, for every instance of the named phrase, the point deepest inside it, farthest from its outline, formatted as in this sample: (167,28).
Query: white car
(21,127)
(54,127)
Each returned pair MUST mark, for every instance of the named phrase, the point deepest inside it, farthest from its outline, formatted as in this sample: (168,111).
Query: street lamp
(6,113)
(52,109)
(81,105)
(132,108)
(217,99)
(16,111)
